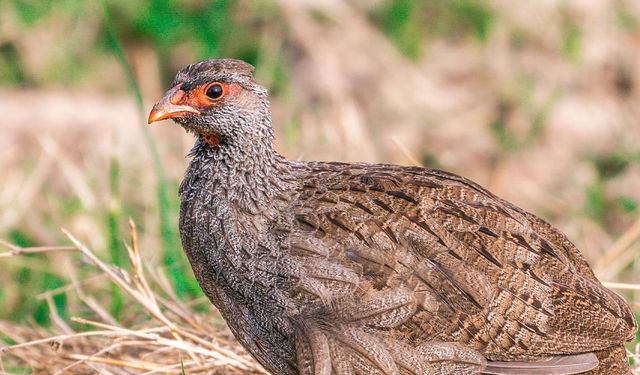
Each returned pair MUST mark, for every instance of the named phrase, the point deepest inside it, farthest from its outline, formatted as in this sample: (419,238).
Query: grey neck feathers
(245,173)
(244,187)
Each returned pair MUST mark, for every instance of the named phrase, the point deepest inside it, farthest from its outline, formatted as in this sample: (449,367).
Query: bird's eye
(215,91)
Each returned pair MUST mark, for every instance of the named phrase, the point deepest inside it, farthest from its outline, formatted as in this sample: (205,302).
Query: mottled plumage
(336,268)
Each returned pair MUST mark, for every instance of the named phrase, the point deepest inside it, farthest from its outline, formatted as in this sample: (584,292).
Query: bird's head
(218,100)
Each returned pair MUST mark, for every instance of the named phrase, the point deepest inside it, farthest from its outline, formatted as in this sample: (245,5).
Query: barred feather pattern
(358,268)
(337,268)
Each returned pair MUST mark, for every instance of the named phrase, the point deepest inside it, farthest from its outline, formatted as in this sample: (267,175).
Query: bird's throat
(248,178)
(211,138)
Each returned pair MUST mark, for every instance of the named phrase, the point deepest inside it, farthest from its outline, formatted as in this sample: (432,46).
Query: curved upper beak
(169,106)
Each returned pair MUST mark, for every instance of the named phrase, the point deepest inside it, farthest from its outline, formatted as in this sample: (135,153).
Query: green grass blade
(114,216)
(169,235)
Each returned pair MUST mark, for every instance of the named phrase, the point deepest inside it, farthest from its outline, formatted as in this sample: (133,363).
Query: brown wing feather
(473,268)
(346,349)
(571,364)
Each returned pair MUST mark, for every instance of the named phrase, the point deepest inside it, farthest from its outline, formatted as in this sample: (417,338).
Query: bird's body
(322,267)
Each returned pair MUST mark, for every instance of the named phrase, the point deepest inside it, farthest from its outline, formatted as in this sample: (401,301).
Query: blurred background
(538,101)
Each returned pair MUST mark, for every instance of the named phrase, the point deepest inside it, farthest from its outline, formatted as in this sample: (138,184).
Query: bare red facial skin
(195,100)
(211,138)
(198,99)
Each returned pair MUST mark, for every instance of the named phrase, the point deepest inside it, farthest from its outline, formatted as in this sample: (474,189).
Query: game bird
(354,268)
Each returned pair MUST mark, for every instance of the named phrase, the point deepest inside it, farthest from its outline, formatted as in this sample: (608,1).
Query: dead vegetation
(543,111)
(175,339)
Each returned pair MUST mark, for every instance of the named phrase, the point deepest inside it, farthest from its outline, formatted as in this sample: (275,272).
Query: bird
(356,268)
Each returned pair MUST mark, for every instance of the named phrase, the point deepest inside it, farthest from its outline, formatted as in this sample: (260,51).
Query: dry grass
(76,158)
(177,338)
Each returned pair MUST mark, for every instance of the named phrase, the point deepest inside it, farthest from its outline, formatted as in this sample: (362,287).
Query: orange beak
(169,106)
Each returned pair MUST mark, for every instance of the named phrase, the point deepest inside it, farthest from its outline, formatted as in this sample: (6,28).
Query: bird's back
(411,255)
